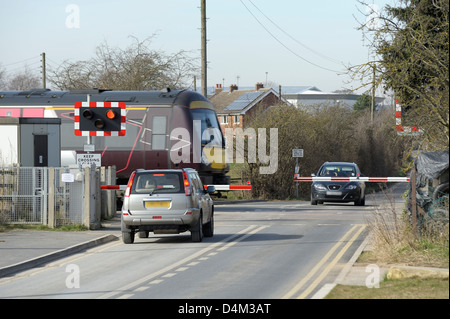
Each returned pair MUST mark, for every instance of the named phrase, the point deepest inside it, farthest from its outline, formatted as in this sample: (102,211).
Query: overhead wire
(284,45)
(294,39)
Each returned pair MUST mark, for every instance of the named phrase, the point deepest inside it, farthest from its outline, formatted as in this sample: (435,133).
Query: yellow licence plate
(157,204)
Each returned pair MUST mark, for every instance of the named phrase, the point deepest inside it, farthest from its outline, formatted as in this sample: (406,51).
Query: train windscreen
(208,119)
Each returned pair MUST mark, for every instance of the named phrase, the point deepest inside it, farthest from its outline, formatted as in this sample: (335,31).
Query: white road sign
(89,159)
(297,152)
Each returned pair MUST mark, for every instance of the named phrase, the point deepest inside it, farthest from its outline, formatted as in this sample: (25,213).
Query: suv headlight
(351,187)
(320,187)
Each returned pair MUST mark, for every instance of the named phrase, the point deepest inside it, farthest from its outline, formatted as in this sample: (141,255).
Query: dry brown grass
(395,242)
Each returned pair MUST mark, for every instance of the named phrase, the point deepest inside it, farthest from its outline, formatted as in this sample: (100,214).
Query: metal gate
(23,195)
(68,203)
(53,196)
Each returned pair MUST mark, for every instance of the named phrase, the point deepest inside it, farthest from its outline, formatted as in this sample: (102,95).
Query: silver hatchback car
(167,202)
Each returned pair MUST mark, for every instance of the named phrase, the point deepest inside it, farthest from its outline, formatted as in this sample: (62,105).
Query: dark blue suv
(330,190)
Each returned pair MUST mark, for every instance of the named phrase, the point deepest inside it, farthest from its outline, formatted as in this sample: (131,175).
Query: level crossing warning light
(100,118)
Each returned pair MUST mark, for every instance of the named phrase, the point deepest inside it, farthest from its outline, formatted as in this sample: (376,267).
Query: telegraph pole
(44,75)
(372,104)
(203,50)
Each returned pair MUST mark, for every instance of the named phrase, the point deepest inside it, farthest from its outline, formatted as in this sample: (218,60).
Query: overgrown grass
(394,242)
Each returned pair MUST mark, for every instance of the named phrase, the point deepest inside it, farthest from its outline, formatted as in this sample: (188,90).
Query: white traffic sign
(89,159)
(297,152)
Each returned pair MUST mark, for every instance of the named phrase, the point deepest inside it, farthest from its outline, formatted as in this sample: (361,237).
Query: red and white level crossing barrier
(348,179)
(218,187)
(113,187)
(231,187)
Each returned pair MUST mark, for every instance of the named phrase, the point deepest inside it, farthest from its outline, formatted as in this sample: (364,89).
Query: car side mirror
(210,189)
(313,175)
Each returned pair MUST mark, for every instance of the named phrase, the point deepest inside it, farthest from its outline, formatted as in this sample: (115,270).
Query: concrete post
(86,197)
(51,198)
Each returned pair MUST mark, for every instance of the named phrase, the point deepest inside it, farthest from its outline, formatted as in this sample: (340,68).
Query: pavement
(21,250)
(24,249)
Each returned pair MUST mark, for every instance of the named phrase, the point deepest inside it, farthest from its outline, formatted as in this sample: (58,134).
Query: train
(164,129)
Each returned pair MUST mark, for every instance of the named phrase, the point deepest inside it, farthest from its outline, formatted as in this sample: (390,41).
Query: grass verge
(408,288)
(394,242)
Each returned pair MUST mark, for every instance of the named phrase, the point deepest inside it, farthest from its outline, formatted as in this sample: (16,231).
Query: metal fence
(25,196)
(22,198)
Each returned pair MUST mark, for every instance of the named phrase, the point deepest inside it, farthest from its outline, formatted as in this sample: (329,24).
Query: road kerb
(44,259)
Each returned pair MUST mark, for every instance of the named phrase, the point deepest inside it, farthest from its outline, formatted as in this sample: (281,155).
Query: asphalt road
(267,250)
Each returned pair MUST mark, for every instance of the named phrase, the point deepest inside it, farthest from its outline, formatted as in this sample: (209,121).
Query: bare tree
(2,78)
(24,80)
(136,67)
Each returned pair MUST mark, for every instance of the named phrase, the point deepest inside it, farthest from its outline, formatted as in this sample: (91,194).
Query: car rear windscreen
(160,183)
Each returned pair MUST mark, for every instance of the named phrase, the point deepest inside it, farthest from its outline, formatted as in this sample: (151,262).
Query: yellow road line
(316,268)
(330,266)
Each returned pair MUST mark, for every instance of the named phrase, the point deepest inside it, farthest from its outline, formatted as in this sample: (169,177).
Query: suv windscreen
(164,182)
(338,170)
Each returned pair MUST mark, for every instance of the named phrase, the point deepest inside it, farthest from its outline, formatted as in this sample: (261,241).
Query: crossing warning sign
(89,159)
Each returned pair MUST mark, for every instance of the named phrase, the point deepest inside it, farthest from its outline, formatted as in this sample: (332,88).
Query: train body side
(151,118)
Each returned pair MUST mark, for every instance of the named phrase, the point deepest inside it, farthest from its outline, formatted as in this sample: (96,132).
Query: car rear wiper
(163,187)
(151,193)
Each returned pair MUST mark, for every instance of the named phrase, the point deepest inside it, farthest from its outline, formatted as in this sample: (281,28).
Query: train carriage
(154,121)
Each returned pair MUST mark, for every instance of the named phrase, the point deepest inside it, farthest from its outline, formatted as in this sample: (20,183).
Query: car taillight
(130,183)
(187,186)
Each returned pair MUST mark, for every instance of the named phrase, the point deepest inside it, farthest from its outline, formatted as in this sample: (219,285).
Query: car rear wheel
(208,228)
(128,237)
(197,230)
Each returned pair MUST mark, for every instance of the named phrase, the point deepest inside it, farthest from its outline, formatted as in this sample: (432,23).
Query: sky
(284,42)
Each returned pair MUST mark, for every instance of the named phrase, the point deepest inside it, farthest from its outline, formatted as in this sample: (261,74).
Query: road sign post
(296,153)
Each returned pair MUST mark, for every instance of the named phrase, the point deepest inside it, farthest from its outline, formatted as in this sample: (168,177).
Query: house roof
(238,101)
(244,101)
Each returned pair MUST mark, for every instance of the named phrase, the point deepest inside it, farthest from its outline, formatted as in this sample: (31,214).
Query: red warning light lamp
(111,114)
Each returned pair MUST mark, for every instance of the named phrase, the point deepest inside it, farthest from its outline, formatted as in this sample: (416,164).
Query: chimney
(233,87)
(258,86)
(218,88)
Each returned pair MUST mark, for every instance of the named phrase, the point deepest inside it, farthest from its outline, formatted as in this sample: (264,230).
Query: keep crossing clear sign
(89,159)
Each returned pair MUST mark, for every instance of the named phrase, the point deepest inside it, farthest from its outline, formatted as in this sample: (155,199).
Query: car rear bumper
(158,221)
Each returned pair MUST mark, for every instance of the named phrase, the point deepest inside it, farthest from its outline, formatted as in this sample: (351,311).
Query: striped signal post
(404,130)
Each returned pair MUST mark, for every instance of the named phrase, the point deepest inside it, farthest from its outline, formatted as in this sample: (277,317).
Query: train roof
(49,97)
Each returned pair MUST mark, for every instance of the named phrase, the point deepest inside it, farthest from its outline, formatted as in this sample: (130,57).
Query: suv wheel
(208,228)
(197,230)
(128,237)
